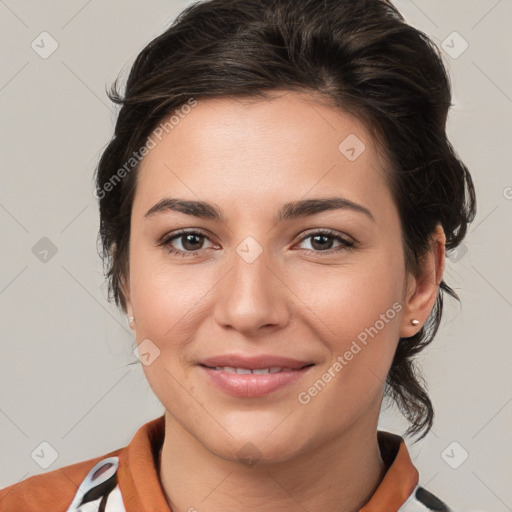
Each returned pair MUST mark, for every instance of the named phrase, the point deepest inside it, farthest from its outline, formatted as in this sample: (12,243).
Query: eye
(190,241)
(322,241)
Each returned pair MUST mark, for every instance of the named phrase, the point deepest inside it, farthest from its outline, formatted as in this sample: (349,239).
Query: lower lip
(251,385)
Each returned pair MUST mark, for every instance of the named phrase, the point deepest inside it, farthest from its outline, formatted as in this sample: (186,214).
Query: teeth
(257,371)
(260,371)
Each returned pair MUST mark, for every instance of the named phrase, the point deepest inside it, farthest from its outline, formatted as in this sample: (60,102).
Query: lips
(253,376)
(257,371)
(254,362)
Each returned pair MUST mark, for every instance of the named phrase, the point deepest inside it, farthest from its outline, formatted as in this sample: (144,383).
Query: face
(306,305)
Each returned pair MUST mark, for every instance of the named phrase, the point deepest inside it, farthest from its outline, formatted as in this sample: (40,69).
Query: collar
(140,486)
(401,477)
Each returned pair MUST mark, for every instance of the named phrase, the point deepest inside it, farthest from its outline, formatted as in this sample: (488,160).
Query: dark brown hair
(361,57)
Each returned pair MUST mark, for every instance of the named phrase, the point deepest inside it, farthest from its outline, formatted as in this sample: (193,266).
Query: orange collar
(400,479)
(141,489)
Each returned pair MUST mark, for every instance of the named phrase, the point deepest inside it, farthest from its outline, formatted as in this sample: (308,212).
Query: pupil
(325,238)
(188,240)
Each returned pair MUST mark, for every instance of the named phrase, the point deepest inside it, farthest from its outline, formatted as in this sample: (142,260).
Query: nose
(253,295)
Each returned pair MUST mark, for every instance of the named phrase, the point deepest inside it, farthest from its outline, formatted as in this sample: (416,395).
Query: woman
(276,204)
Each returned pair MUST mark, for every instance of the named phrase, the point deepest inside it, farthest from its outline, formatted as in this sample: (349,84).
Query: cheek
(358,323)
(348,299)
(166,296)
(357,312)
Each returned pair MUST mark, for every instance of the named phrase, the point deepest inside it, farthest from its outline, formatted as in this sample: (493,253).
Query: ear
(125,288)
(423,288)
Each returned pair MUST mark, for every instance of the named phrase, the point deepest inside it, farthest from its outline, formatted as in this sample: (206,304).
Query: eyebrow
(291,210)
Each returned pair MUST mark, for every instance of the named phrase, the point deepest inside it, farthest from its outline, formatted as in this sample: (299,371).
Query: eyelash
(346,243)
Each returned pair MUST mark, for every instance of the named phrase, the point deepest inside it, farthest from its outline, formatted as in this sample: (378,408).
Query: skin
(248,158)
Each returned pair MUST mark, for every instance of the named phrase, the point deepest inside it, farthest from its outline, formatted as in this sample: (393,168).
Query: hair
(359,56)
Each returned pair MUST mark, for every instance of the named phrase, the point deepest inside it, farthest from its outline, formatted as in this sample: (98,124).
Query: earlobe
(423,288)
(125,288)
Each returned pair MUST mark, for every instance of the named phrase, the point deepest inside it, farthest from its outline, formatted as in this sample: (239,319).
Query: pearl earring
(130,320)
(415,322)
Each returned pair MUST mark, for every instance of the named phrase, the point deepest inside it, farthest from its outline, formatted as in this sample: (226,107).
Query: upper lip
(254,362)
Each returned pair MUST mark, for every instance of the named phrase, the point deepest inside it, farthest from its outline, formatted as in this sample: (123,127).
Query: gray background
(63,373)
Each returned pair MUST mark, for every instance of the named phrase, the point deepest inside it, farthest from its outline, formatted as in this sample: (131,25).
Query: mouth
(250,377)
(255,371)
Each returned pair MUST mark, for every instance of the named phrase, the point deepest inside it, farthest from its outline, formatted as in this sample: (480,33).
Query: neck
(339,475)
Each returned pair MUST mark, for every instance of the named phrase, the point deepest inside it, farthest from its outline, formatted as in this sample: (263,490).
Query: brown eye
(185,242)
(191,241)
(322,241)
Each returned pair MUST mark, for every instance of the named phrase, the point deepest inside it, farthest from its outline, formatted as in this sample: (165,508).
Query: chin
(258,444)
(256,452)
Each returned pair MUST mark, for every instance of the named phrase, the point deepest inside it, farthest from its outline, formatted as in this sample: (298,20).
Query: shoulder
(48,491)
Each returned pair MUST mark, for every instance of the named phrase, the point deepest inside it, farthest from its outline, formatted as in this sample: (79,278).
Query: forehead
(260,150)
